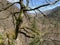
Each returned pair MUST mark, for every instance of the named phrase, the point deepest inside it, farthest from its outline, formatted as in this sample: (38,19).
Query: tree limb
(36,7)
(8,6)
(26,35)
(40,6)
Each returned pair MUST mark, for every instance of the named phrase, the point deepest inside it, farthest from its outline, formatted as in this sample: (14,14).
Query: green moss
(34,26)
(11,42)
(36,41)
(1,40)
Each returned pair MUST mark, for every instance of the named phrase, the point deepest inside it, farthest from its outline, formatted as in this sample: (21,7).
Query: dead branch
(40,6)
(8,6)
(26,35)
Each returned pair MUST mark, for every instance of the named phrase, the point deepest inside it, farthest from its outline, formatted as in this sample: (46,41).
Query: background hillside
(33,29)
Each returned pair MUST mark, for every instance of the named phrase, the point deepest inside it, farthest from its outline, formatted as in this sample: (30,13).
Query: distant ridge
(56,9)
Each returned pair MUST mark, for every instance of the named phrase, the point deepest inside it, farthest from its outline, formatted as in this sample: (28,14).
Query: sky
(35,3)
(13,0)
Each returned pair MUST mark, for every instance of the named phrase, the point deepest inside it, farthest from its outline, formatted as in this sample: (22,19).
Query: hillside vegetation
(35,29)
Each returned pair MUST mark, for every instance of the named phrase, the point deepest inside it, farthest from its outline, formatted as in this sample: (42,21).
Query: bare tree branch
(14,14)
(37,7)
(8,6)
(40,6)
(26,35)
(42,13)
(27,3)
(49,1)
(32,30)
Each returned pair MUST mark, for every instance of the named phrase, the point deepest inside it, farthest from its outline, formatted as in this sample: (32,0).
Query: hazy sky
(13,0)
(35,3)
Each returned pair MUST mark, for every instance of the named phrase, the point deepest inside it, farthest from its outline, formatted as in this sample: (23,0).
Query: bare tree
(24,8)
(23,12)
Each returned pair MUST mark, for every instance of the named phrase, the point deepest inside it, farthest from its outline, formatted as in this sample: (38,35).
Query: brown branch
(14,14)
(26,35)
(35,13)
(42,13)
(27,16)
(14,17)
(8,6)
(27,31)
(27,3)
(32,30)
(22,5)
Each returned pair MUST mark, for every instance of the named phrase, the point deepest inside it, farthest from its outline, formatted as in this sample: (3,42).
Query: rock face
(47,27)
